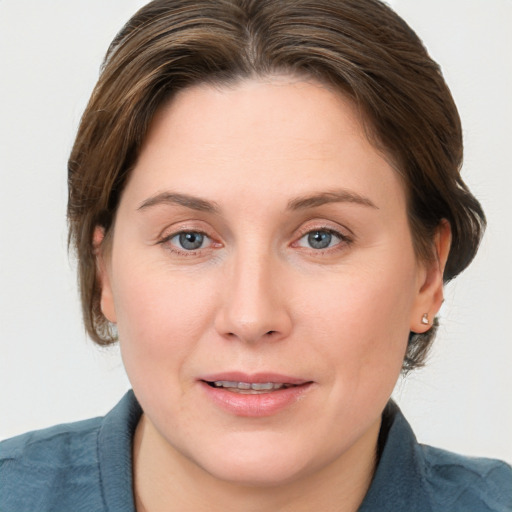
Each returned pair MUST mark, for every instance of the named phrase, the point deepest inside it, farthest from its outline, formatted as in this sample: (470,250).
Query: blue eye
(319,239)
(189,240)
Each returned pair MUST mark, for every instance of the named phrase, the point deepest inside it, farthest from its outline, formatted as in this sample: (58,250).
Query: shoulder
(38,468)
(82,466)
(53,442)
(412,477)
(467,484)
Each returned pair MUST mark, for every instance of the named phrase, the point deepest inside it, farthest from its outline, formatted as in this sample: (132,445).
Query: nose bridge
(253,307)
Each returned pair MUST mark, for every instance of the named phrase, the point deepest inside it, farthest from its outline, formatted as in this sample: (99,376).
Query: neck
(165,480)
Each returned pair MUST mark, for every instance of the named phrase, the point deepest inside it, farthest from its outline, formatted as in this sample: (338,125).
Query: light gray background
(50,53)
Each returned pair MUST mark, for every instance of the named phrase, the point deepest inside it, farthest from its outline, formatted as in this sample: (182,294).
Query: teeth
(247,386)
(260,386)
(225,384)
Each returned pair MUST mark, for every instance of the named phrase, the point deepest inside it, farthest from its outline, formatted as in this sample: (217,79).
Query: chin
(254,474)
(256,464)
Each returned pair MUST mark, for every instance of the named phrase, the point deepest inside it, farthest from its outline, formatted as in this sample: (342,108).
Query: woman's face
(263,280)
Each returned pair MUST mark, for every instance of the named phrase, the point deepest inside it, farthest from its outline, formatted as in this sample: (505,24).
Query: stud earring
(424,319)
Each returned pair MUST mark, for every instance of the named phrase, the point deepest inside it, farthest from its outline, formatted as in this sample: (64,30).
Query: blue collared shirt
(87,466)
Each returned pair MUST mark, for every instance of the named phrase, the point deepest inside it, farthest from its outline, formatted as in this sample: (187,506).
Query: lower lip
(264,404)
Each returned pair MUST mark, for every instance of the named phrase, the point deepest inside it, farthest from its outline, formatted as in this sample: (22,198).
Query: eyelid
(321,225)
(338,231)
(170,232)
(177,232)
(175,249)
(184,226)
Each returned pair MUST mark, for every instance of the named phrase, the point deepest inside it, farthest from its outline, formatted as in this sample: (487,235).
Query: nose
(254,305)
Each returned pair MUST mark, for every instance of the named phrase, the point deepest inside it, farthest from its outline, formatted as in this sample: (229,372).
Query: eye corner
(186,242)
(322,240)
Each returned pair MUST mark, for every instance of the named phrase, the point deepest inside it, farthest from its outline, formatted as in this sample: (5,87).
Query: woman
(265,201)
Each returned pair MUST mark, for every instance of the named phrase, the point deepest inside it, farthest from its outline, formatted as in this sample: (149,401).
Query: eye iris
(191,241)
(319,239)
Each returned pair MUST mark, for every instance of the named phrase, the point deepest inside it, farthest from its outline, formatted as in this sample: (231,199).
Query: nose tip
(252,332)
(249,322)
(254,307)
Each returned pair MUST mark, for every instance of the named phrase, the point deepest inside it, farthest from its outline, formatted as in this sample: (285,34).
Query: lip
(254,378)
(254,405)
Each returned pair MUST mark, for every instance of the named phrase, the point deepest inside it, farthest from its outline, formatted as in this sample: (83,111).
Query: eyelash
(184,252)
(343,241)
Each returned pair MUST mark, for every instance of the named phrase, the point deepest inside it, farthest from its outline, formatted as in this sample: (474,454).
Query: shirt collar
(398,484)
(115,454)
(399,480)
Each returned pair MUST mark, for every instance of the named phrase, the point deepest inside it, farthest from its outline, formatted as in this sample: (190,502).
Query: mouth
(249,388)
(255,395)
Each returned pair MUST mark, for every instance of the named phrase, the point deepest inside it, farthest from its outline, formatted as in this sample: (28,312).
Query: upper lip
(254,378)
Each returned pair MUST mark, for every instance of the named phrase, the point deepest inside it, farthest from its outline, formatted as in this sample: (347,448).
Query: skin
(257,297)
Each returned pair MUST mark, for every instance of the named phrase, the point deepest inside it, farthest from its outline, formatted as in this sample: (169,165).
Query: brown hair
(360,47)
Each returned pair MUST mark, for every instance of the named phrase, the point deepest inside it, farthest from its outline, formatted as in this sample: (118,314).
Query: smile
(249,388)
(255,395)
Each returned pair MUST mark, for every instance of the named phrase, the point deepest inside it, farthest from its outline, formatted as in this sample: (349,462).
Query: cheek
(361,321)
(160,318)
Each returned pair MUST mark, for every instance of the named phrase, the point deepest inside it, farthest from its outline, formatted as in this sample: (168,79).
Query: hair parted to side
(359,47)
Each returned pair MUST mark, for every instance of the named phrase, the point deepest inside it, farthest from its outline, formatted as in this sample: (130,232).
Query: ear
(102,255)
(430,282)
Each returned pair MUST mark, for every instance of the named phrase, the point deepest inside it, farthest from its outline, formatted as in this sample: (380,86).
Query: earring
(424,319)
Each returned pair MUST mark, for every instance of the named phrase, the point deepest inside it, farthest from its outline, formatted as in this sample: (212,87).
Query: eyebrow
(299,203)
(170,198)
(336,196)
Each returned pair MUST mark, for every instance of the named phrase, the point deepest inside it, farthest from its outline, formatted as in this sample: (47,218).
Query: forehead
(264,112)
(280,131)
